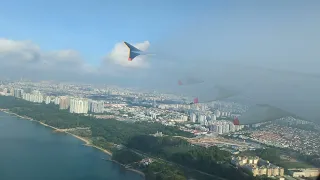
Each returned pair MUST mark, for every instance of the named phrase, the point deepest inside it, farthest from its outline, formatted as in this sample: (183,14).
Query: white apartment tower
(79,106)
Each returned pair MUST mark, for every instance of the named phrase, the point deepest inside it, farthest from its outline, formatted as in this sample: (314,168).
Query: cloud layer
(26,59)
(28,56)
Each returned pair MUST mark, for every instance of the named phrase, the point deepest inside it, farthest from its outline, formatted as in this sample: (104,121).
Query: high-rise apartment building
(96,106)
(35,96)
(78,105)
(48,100)
(18,93)
(64,102)
(56,101)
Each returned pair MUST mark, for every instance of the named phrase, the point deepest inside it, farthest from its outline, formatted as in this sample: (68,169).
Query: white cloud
(119,56)
(27,55)
(17,52)
(27,59)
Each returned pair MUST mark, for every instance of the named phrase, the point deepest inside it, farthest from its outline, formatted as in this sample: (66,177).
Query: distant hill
(262,113)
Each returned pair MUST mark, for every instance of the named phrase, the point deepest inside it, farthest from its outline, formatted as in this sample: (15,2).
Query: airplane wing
(133,51)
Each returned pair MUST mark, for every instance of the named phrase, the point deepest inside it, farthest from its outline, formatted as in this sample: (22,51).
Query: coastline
(86,141)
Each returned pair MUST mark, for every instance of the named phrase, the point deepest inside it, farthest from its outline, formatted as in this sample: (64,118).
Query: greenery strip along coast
(172,158)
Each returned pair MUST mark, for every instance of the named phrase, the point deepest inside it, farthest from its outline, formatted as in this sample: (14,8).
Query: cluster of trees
(157,170)
(270,154)
(163,171)
(311,159)
(125,156)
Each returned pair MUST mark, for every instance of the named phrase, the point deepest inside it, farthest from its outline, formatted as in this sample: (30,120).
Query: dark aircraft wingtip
(133,51)
(127,44)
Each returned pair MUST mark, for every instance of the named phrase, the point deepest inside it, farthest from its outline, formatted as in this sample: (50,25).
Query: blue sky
(93,27)
(243,31)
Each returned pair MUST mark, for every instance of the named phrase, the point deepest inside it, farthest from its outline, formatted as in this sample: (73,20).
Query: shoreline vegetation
(86,141)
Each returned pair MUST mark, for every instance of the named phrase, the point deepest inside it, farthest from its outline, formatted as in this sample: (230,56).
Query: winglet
(133,51)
